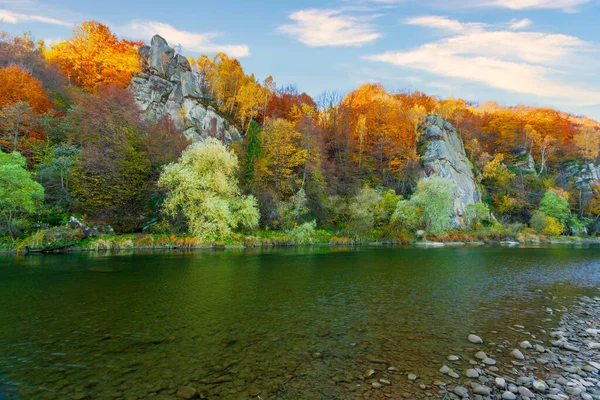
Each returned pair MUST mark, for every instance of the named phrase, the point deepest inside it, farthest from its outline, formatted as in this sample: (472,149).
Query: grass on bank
(57,239)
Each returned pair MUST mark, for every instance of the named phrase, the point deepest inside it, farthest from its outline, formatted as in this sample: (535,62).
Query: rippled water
(286,323)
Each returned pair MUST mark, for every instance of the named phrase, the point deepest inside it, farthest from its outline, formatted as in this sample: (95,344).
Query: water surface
(286,323)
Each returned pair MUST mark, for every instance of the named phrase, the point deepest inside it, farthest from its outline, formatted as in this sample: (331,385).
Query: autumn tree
(587,141)
(109,185)
(94,56)
(22,101)
(283,156)
(22,51)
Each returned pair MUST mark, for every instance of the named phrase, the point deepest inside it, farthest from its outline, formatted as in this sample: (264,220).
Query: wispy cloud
(192,41)
(519,62)
(12,17)
(565,5)
(445,24)
(520,24)
(330,28)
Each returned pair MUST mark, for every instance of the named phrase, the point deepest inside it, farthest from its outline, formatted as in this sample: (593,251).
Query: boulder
(167,86)
(443,154)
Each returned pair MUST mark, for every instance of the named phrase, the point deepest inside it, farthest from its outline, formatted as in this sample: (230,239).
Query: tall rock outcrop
(167,86)
(443,154)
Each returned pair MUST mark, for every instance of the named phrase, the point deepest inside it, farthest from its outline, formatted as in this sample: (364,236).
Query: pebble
(481,355)
(376,385)
(369,373)
(386,382)
(453,374)
(489,361)
(516,353)
(475,339)
(500,383)
(445,369)
(540,386)
(412,377)
(453,358)
(523,391)
(482,390)
(508,395)
(461,392)
(539,348)
(186,392)
(472,373)
(525,345)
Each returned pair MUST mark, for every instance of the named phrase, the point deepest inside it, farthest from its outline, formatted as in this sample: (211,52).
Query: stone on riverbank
(516,353)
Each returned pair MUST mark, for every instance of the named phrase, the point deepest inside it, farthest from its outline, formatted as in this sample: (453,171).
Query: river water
(301,323)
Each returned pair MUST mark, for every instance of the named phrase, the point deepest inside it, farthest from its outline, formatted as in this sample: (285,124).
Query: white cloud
(565,5)
(444,24)
(12,17)
(329,28)
(192,41)
(568,5)
(520,24)
(518,62)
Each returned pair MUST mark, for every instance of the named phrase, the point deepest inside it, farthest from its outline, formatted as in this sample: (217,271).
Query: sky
(534,52)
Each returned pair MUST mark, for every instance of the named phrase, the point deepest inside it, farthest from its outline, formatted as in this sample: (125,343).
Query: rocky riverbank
(559,364)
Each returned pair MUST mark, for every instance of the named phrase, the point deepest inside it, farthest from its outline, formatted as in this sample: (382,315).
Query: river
(300,323)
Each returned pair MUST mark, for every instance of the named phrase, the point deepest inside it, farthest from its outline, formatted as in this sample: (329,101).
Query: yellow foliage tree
(587,141)
(284,155)
(94,56)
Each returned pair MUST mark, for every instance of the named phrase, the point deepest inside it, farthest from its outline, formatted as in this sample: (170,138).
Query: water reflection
(285,323)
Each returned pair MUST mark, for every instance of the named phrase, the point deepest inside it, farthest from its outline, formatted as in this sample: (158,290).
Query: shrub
(538,221)
(304,234)
(476,214)
(553,227)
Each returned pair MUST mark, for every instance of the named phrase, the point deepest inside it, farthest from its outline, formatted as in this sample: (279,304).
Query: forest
(81,165)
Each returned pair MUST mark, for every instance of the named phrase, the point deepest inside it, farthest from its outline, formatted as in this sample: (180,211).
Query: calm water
(289,324)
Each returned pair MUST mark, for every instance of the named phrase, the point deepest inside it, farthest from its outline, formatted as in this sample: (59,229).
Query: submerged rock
(475,339)
(186,392)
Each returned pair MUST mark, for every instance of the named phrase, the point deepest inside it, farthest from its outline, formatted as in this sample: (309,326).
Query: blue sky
(536,52)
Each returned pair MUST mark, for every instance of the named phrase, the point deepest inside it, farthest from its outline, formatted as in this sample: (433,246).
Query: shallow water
(286,323)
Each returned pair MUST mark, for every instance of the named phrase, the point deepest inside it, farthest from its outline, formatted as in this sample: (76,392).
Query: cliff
(167,86)
(443,154)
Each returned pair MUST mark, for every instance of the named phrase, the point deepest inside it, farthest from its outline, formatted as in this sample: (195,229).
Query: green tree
(54,173)
(202,187)
(476,214)
(252,154)
(538,221)
(430,207)
(366,211)
(555,204)
(293,211)
(20,195)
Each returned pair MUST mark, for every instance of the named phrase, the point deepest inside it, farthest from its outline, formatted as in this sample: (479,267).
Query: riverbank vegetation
(81,166)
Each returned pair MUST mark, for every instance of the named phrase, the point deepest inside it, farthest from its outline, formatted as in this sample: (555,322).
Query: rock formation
(582,176)
(524,162)
(443,154)
(167,86)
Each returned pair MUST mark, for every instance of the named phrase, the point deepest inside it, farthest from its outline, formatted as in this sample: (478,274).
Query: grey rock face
(168,87)
(443,154)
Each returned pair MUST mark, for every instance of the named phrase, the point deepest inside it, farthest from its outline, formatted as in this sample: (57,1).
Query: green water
(288,324)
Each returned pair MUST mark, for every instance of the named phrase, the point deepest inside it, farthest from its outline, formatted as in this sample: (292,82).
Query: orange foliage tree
(22,100)
(95,56)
